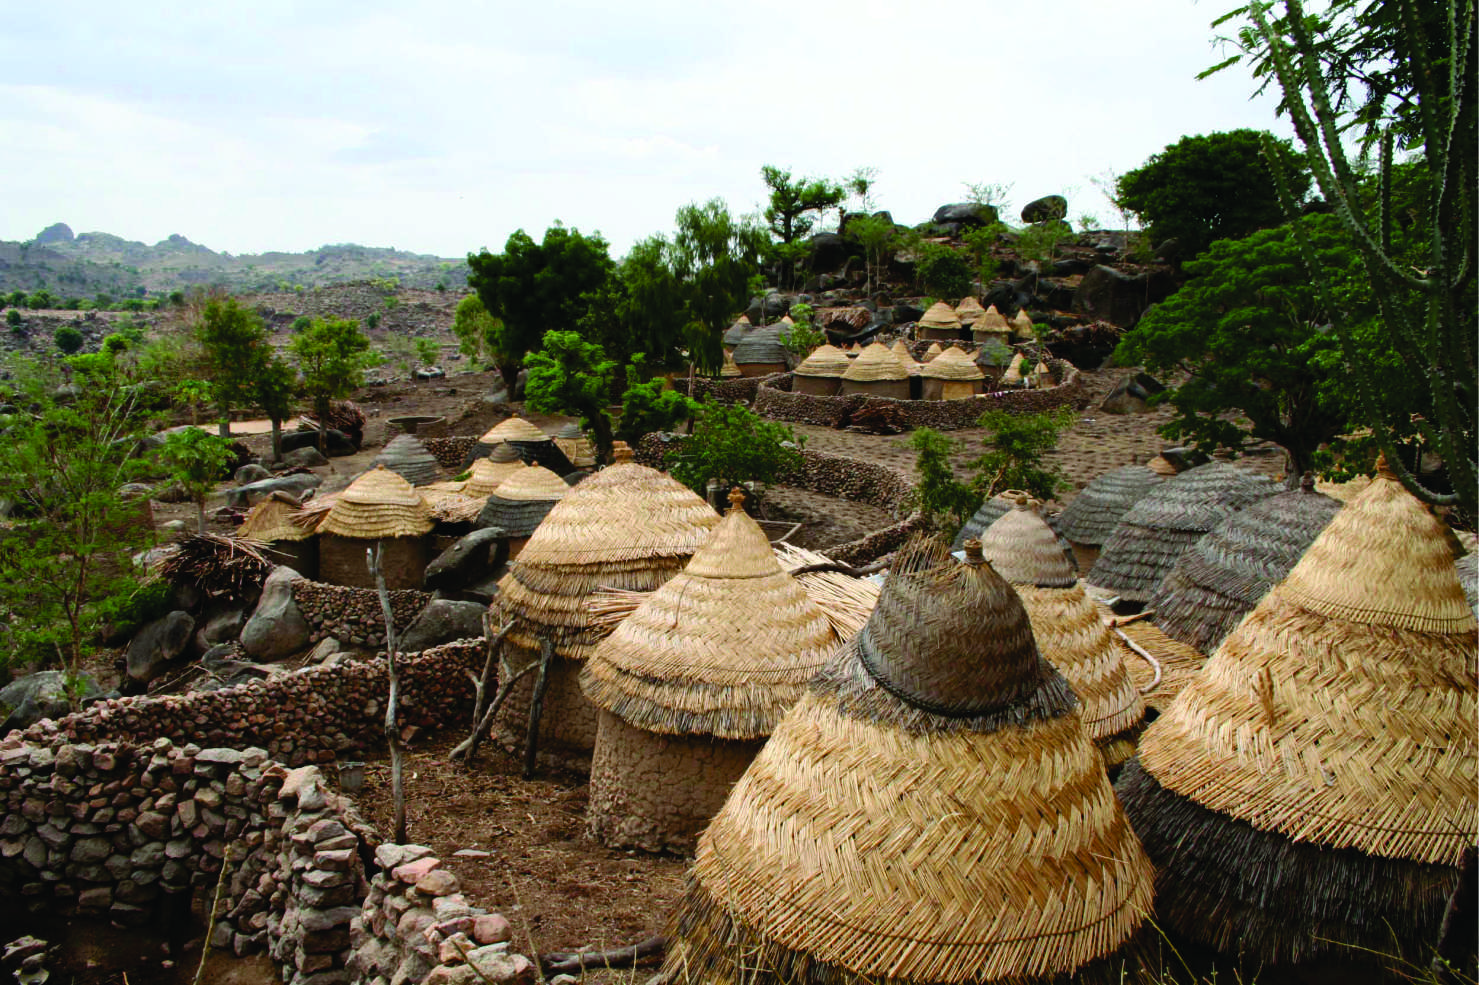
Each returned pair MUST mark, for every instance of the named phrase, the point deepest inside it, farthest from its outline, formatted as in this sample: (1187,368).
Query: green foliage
(647,407)
(944,271)
(135,606)
(303,321)
(876,234)
(1039,242)
(733,444)
(993,194)
(1016,451)
(802,337)
(13,318)
(569,375)
(332,354)
(233,340)
(68,339)
(945,501)
(643,309)
(195,461)
(427,351)
(1210,187)
(714,256)
(476,330)
(41,299)
(795,204)
(372,320)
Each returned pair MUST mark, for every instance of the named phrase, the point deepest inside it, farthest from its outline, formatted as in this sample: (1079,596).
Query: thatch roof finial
(736,499)
(973,555)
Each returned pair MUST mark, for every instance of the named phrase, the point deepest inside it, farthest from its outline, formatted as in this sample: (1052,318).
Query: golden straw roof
(952,364)
(933,351)
(729,368)
(1342,710)
(993,322)
(1014,371)
(940,315)
(877,362)
(825,360)
(1343,491)
(969,310)
(513,429)
(873,838)
(723,649)
(905,357)
(272,519)
(1161,467)
(532,483)
(1022,327)
(490,472)
(378,504)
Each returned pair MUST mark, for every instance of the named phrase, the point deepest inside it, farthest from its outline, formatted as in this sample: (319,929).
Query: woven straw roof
(1343,491)
(763,345)
(723,649)
(533,483)
(1342,710)
(952,364)
(871,838)
(933,351)
(408,457)
(988,513)
(994,353)
(738,330)
(378,504)
(1024,550)
(877,362)
(940,315)
(272,519)
(729,369)
(1098,508)
(1161,467)
(1022,327)
(1468,576)
(489,473)
(969,310)
(1013,373)
(905,357)
(1231,568)
(992,321)
(1167,521)
(825,360)
(513,429)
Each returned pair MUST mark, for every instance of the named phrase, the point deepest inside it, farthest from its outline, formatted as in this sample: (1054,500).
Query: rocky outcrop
(44,694)
(276,628)
(155,645)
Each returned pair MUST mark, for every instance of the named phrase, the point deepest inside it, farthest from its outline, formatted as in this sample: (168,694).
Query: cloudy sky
(440,127)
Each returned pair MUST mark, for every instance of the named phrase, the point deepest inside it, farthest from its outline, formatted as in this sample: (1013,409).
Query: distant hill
(87,264)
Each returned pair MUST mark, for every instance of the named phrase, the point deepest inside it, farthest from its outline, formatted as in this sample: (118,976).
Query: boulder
(430,373)
(154,646)
(252,493)
(471,559)
(308,458)
(965,215)
(443,621)
(1132,395)
(1045,208)
(26,701)
(904,314)
(1118,297)
(227,669)
(277,628)
(218,627)
(250,473)
(336,443)
(827,252)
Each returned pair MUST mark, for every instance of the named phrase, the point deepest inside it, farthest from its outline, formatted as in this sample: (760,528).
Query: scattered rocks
(158,643)
(250,473)
(336,443)
(41,695)
(967,215)
(470,560)
(252,493)
(1132,395)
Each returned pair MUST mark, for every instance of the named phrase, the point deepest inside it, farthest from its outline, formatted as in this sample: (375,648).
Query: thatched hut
(1308,796)
(734,333)
(514,429)
(627,527)
(380,508)
(1068,628)
(877,372)
(1015,371)
(407,457)
(930,353)
(571,440)
(969,311)
(487,474)
(760,353)
(950,376)
(691,683)
(1468,576)
(993,358)
(520,504)
(284,541)
(992,326)
(1022,328)
(931,811)
(729,370)
(906,358)
(1230,569)
(993,509)
(940,322)
(1093,514)
(1166,522)
(820,373)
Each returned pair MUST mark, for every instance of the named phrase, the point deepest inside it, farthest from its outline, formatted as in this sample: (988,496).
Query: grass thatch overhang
(577,447)
(1338,718)
(513,429)
(826,361)
(763,345)
(738,330)
(487,474)
(729,369)
(969,310)
(1166,522)
(1098,508)
(272,519)
(523,500)
(1014,369)
(1022,328)
(940,315)
(1232,567)
(377,505)
(952,364)
(992,322)
(876,362)
(723,649)
(904,356)
(930,811)
(406,456)
(933,351)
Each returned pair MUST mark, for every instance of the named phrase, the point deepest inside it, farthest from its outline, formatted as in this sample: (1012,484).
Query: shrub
(68,339)
(1014,457)
(647,407)
(13,319)
(944,271)
(733,444)
(939,495)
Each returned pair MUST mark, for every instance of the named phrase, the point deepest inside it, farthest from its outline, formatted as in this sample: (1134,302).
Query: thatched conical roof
(738,330)
(992,322)
(1166,522)
(933,351)
(578,448)
(272,519)
(763,345)
(1022,328)
(729,369)
(379,504)
(940,315)
(724,648)
(1098,508)
(930,811)
(825,360)
(1231,568)
(513,429)
(905,357)
(1312,790)
(1468,576)
(969,310)
(877,362)
(488,473)
(1014,370)
(1343,491)
(407,457)
(952,364)
(522,500)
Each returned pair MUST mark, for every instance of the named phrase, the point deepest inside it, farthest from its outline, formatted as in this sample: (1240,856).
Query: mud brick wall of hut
(353,615)
(342,560)
(450,452)
(567,719)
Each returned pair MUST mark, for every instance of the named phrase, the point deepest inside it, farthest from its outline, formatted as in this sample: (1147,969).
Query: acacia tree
(333,355)
(714,256)
(795,205)
(233,341)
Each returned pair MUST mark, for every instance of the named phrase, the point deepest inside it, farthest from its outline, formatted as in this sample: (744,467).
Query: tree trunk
(276,440)
(601,428)
(392,733)
(200,516)
(225,423)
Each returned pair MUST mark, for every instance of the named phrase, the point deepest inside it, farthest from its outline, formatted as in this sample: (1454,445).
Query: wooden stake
(392,734)
(536,705)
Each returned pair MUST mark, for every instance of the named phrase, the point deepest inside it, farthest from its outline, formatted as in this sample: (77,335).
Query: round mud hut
(520,503)
(930,811)
(734,333)
(950,376)
(969,311)
(692,682)
(930,353)
(487,474)
(408,458)
(1166,522)
(877,372)
(820,374)
(1098,508)
(940,322)
(992,326)
(627,527)
(993,358)
(1229,570)
(380,508)
(571,440)
(1308,797)
(760,353)
(1069,631)
(284,541)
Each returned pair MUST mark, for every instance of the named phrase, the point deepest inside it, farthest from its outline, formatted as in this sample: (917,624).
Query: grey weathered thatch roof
(1098,508)
(763,345)
(407,457)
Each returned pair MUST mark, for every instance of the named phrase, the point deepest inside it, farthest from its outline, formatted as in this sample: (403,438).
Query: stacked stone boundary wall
(450,452)
(735,390)
(353,615)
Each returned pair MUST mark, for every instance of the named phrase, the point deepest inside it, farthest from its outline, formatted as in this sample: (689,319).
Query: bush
(733,444)
(944,500)
(944,271)
(125,613)
(13,319)
(647,407)
(68,339)
(1014,457)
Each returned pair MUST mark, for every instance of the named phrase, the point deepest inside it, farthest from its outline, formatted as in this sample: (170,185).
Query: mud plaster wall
(567,720)
(658,792)
(353,615)
(342,561)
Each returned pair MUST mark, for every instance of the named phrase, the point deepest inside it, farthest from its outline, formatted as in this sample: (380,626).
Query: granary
(520,504)
(627,527)
(993,509)
(1166,522)
(378,508)
(939,322)
(690,684)
(1022,328)
(993,358)
(760,353)
(1042,375)
(930,353)
(737,331)
(284,541)
(1068,628)
(930,811)
(515,430)
(877,372)
(729,370)
(487,474)
(407,457)
(906,358)
(571,440)
(1015,370)
(1309,795)
(1093,514)
(992,326)
(820,374)
(1230,569)
(969,311)
(950,376)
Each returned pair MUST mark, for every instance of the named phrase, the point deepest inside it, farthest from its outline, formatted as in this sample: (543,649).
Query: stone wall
(353,615)
(736,390)
(451,452)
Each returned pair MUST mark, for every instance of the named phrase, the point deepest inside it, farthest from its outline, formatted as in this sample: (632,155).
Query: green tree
(534,288)
(876,235)
(275,387)
(945,501)
(944,271)
(41,299)
(476,331)
(802,336)
(427,351)
(68,339)
(1210,187)
(714,256)
(733,444)
(233,341)
(569,375)
(195,461)
(642,309)
(646,406)
(1016,452)
(795,205)
(332,355)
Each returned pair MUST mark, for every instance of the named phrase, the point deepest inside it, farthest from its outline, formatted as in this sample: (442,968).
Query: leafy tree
(41,299)
(1210,187)
(647,407)
(876,234)
(733,444)
(13,319)
(802,336)
(569,375)
(795,205)
(68,339)
(195,461)
(233,341)
(332,354)
(714,257)
(476,330)
(274,388)
(534,288)
(944,271)
(945,501)
(643,308)
(427,351)
(1016,452)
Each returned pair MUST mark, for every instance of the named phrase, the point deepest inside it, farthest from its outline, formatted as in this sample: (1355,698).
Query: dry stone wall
(736,390)
(353,615)
(450,452)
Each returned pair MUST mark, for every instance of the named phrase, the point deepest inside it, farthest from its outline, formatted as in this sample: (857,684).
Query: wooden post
(392,733)
(536,706)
